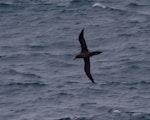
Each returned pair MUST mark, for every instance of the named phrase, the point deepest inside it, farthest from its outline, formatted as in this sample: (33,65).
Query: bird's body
(85,54)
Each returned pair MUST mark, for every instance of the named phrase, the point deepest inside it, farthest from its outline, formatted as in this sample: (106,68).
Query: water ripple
(24,85)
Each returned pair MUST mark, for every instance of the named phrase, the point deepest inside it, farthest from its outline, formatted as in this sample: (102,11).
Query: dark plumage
(85,54)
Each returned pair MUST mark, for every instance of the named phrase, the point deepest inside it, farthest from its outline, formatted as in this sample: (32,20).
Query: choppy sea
(39,80)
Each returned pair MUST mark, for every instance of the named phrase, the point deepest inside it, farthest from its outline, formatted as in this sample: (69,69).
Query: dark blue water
(39,79)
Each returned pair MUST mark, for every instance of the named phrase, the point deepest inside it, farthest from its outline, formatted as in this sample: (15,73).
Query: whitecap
(98,5)
(116,111)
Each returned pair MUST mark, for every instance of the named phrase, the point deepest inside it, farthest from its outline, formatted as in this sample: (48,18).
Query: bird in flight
(85,54)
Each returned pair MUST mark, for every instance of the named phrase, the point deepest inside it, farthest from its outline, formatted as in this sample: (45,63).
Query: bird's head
(97,52)
(77,56)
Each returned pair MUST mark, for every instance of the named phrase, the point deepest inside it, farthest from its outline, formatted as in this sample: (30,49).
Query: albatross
(85,54)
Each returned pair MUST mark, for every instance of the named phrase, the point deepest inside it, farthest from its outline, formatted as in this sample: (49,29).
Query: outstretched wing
(87,69)
(82,42)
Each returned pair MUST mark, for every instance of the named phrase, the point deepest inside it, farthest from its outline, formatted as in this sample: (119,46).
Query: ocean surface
(39,80)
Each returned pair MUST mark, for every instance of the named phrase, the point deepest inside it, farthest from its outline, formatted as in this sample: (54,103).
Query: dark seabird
(85,54)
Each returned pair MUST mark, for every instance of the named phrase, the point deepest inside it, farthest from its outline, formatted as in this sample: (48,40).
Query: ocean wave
(6,47)
(37,46)
(12,56)
(64,95)
(130,114)
(140,116)
(65,118)
(3,5)
(75,118)
(34,84)
(115,114)
(23,57)
(81,1)
(134,5)
(117,10)
(111,83)
(98,5)
(2,56)
(9,71)
(113,9)
(139,83)
(23,74)
(126,83)
(31,75)
(11,5)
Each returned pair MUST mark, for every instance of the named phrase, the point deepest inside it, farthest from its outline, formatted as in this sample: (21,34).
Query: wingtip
(93,81)
(82,30)
(81,33)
